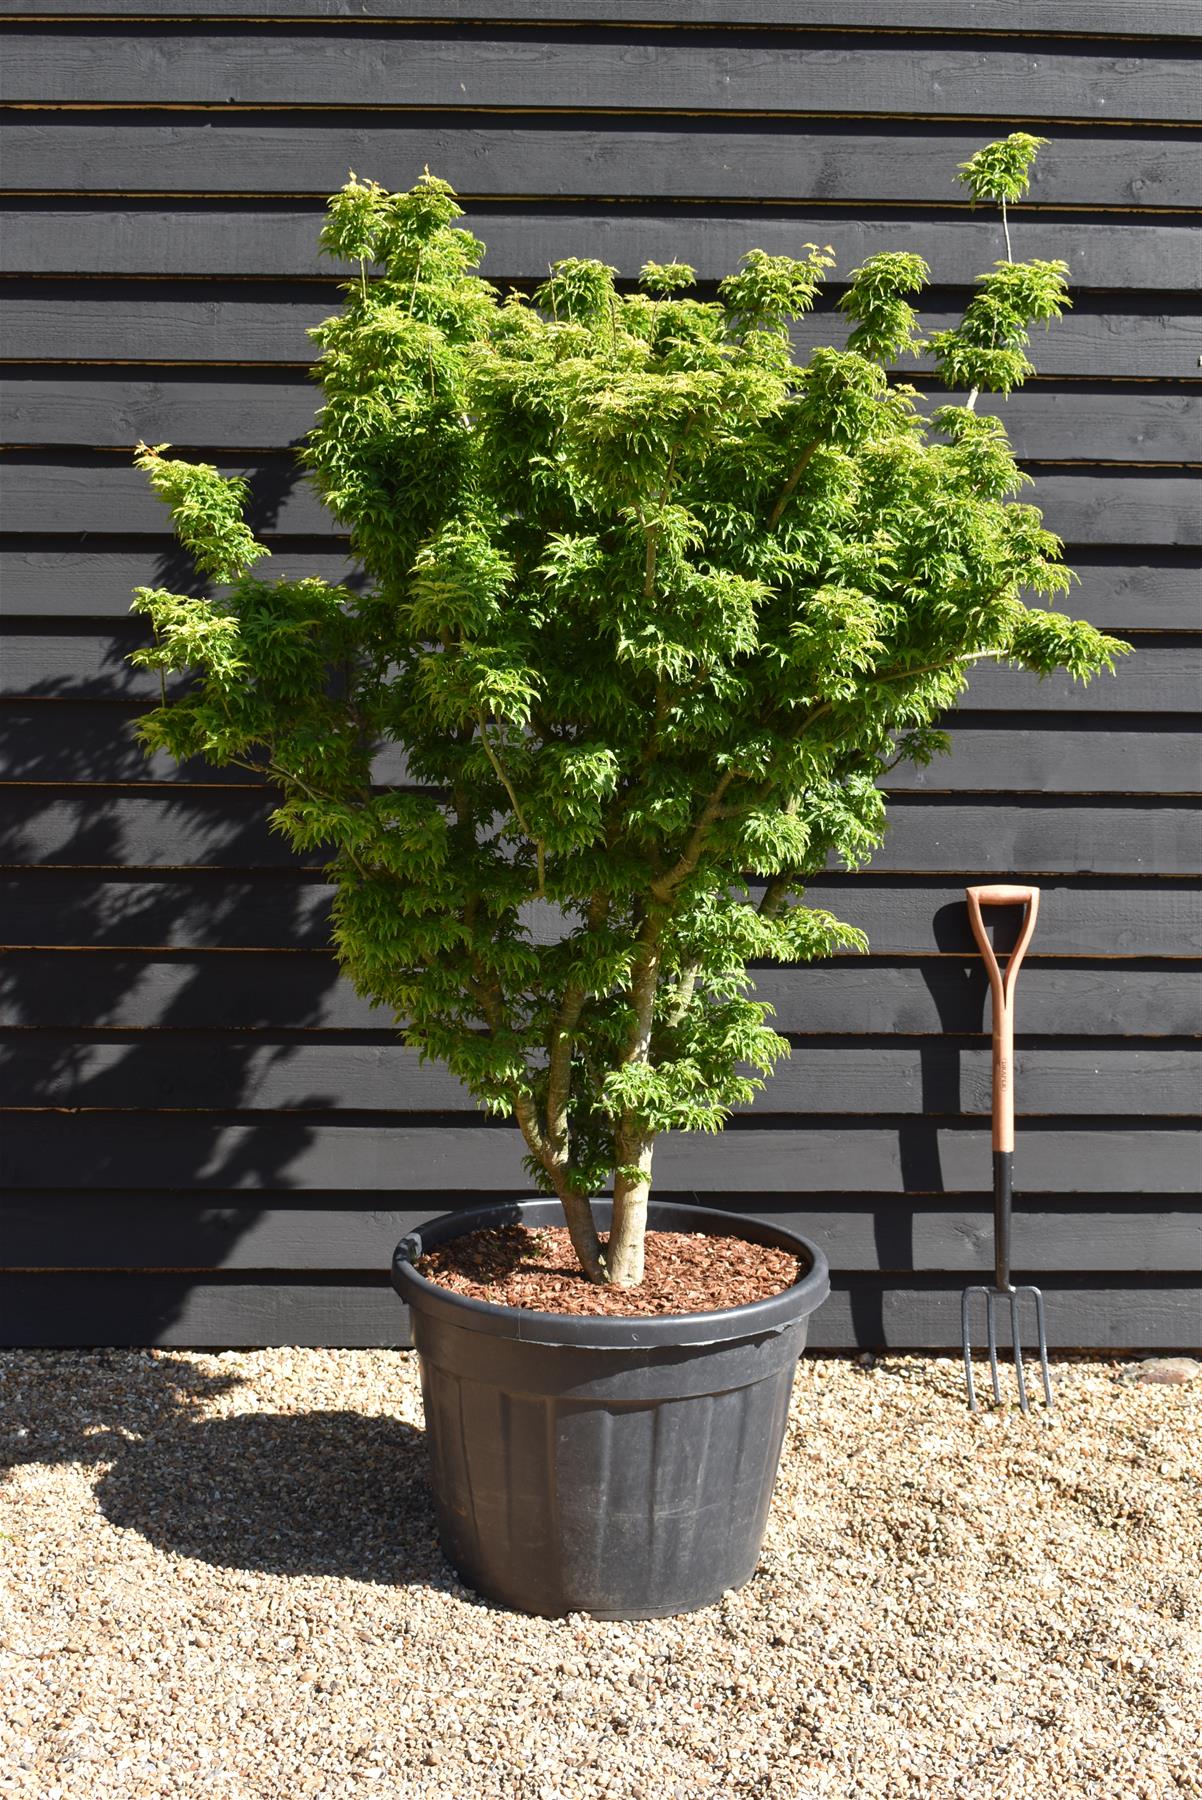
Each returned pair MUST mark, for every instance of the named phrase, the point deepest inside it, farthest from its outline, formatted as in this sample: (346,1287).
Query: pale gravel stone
(222,1582)
(1168,1371)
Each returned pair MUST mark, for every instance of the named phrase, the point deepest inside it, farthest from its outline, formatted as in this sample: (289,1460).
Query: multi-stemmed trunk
(617,1259)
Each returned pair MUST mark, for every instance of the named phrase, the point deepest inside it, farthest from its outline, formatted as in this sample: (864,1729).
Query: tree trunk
(582,1230)
(577,1212)
(624,1246)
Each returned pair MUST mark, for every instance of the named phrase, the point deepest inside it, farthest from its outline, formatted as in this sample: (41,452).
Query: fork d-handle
(1001,986)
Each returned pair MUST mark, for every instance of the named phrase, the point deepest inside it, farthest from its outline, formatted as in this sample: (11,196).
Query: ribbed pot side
(613,1466)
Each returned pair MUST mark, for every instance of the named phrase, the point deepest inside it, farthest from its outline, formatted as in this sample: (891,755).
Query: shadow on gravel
(322,1493)
(86,1406)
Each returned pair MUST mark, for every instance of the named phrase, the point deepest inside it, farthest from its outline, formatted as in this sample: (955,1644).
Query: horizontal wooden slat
(988,759)
(280,909)
(1088,918)
(76,578)
(649,70)
(812,162)
(66,740)
(865,1311)
(156,828)
(175,1231)
(1157,18)
(89,494)
(1157,678)
(146,322)
(934,1077)
(132,238)
(133,1150)
(263,410)
(85,661)
(250,990)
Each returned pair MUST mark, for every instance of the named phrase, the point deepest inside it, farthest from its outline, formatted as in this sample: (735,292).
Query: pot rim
(754,1318)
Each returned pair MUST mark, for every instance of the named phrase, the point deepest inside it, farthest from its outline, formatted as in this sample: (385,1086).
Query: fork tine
(967,1347)
(1043,1348)
(992,1324)
(1017,1339)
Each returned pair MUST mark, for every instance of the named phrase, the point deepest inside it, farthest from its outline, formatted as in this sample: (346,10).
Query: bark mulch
(685,1272)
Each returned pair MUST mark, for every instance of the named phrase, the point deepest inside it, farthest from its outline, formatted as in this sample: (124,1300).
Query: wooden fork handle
(1003,896)
(1001,986)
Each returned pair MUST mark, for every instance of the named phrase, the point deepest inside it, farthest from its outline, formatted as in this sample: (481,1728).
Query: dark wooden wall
(209,1138)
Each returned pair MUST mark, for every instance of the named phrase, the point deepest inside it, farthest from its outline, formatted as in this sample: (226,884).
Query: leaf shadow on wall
(167,948)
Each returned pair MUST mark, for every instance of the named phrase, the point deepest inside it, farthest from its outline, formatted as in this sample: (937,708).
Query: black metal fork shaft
(1003,1194)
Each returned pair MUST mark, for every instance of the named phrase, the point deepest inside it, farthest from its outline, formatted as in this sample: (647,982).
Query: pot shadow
(317,1493)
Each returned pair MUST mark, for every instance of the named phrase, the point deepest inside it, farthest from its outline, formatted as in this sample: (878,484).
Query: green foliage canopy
(651,609)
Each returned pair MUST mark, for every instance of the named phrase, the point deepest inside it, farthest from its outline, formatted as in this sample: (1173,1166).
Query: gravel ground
(222,1580)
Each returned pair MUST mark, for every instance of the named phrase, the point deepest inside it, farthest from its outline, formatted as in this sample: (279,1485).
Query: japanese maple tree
(651,606)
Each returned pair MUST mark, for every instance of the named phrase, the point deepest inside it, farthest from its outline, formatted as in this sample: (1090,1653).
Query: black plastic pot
(621,1467)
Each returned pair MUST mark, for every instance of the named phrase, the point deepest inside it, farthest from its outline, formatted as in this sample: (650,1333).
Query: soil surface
(685,1272)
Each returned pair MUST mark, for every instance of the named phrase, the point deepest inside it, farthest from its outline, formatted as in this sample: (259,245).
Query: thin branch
(777,890)
(663,887)
(799,469)
(934,668)
(684,994)
(772,901)
(319,799)
(897,675)
(559,1061)
(970,403)
(651,534)
(502,777)
(643,985)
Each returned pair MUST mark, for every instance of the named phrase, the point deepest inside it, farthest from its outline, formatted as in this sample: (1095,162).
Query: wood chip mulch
(685,1272)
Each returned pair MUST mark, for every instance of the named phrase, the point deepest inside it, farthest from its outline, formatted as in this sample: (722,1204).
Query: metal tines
(994,1297)
(1003,1294)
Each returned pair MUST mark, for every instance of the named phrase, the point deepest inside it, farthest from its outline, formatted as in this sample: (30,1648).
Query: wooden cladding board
(94,494)
(287,910)
(72,740)
(183,1152)
(60,577)
(161,237)
(939,833)
(481,67)
(918,1311)
(177,1071)
(1158,19)
(78,662)
(115,407)
(1099,1234)
(249,322)
(300,990)
(209,1138)
(509,157)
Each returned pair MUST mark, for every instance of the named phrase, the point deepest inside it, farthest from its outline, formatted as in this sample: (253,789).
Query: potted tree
(651,608)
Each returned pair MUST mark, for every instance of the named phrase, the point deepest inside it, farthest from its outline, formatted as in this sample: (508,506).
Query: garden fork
(1003,1292)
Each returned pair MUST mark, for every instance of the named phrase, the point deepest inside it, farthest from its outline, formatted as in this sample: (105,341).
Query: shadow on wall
(317,1493)
(149,1027)
(951,985)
